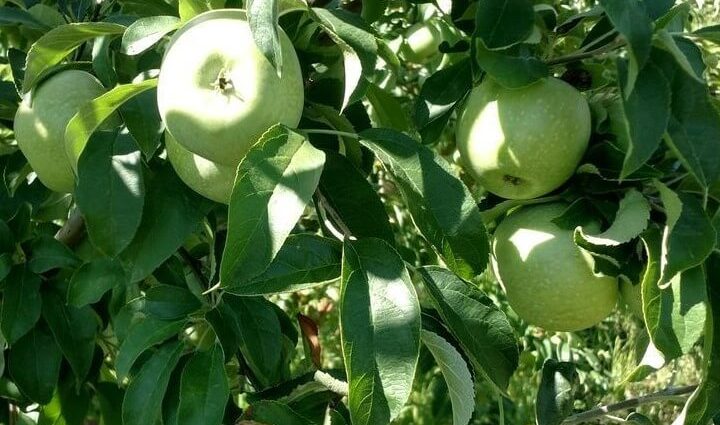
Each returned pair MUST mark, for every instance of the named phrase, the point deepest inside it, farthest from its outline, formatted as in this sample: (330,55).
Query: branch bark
(73,231)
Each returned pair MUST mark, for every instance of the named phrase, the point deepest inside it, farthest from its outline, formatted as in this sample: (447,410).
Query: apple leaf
(509,70)
(142,335)
(387,110)
(503,23)
(204,389)
(640,118)
(275,181)
(440,204)
(142,403)
(55,45)
(92,114)
(481,327)
(17,16)
(170,302)
(632,21)
(188,9)
(688,237)
(555,397)
(34,365)
(439,96)
(457,376)
(21,304)
(668,43)
(111,190)
(345,191)
(92,280)
(704,404)
(274,412)
(380,356)
(355,39)
(146,32)
(171,212)
(48,253)
(630,221)
(262,17)
(709,33)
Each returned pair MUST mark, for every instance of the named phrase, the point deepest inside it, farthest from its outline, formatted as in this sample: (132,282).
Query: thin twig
(585,55)
(602,411)
(335,385)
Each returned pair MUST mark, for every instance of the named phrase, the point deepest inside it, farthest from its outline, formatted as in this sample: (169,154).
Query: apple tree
(359,212)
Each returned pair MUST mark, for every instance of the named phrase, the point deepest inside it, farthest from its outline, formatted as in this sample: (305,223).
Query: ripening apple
(548,279)
(210,179)
(422,41)
(41,120)
(523,143)
(217,93)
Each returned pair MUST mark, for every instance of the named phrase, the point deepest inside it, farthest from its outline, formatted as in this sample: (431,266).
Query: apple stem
(585,55)
(602,411)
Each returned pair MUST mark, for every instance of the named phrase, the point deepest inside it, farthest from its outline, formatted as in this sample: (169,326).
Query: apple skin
(210,179)
(221,124)
(549,281)
(422,42)
(523,143)
(41,120)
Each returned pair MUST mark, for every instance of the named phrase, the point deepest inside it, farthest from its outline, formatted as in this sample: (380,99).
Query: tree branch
(585,55)
(667,394)
(335,385)
(73,231)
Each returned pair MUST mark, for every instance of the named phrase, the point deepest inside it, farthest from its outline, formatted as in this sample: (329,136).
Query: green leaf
(204,389)
(275,181)
(142,335)
(379,328)
(441,93)
(457,376)
(167,302)
(110,190)
(709,33)
(21,303)
(632,21)
(92,114)
(348,193)
(688,237)
(640,118)
(17,16)
(146,32)
(704,403)
(304,261)
(262,16)
(48,253)
(372,10)
(274,412)
(74,330)
(481,327)
(55,45)
(355,39)
(555,396)
(190,8)
(440,204)
(638,419)
(69,406)
(142,118)
(143,399)
(92,280)
(171,213)
(630,221)
(34,364)
(109,398)
(386,109)
(257,330)
(666,42)
(509,70)
(503,23)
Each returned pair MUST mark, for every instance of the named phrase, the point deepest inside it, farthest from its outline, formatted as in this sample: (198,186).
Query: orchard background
(349,279)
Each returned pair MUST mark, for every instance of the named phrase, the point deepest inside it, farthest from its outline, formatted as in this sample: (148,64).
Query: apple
(210,179)
(41,120)
(632,297)
(523,143)
(549,281)
(422,41)
(217,93)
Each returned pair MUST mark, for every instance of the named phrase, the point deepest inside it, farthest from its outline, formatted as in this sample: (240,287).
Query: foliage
(347,280)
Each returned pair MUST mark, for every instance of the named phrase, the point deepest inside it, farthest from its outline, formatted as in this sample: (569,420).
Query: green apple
(548,279)
(422,42)
(217,93)
(632,297)
(210,179)
(523,143)
(41,120)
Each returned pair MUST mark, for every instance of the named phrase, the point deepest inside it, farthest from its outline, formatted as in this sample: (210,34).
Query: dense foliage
(337,269)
